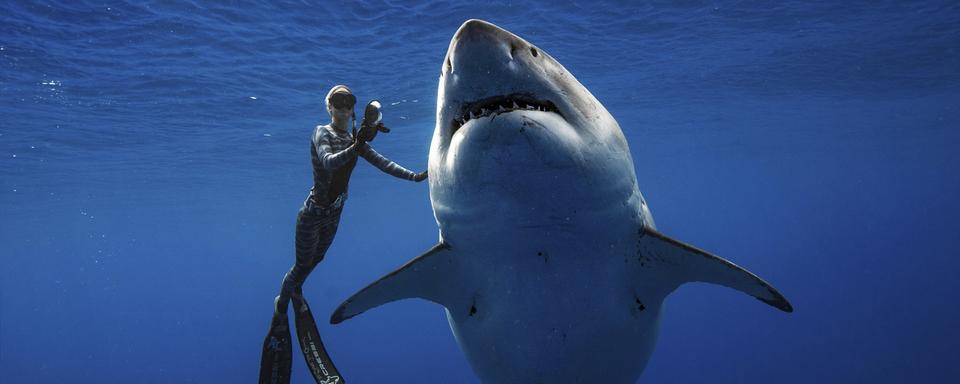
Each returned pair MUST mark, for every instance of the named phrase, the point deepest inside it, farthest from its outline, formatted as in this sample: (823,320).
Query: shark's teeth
(501,104)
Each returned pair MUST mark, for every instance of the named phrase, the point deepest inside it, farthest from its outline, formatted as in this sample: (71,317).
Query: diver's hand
(357,144)
(368,132)
(357,137)
(420,176)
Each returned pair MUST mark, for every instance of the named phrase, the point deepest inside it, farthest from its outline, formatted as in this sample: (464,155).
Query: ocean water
(153,156)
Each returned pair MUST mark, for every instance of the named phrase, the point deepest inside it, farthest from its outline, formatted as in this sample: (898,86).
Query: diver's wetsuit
(334,156)
(333,161)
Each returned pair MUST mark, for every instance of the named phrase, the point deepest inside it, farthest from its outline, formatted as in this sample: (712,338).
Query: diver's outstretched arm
(388,166)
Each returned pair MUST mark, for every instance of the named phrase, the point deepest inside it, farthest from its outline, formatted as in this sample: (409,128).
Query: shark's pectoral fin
(689,263)
(425,277)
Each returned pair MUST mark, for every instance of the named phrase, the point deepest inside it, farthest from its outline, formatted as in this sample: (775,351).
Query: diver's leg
(327,231)
(277,354)
(314,353)
(308,228)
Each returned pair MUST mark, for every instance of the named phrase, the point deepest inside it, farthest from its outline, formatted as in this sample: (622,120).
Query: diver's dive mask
(342,100)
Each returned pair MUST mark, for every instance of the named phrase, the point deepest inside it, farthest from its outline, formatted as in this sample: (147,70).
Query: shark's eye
(533,51)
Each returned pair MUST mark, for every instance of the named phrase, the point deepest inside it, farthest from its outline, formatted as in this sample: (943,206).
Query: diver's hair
(339,88)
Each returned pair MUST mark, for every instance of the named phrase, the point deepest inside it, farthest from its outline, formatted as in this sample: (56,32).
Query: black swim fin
(319,362)
(277,352)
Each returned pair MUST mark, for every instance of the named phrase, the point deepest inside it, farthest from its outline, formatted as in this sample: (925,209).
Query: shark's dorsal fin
(423,277)
(690,263)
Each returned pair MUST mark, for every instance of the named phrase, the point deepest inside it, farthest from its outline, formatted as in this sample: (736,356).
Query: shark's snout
(475,26)
(479,41)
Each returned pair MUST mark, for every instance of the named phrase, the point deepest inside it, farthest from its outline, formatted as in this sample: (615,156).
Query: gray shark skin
(549,264)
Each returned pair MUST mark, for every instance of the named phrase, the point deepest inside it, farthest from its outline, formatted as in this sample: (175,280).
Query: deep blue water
(153,157)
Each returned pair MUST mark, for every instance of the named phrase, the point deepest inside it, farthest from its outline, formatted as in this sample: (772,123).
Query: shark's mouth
(495,105)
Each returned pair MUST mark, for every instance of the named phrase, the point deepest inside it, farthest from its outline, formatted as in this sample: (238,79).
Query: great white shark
(549,264)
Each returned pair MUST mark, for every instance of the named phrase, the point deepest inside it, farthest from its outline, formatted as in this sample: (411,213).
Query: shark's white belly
(553,307)
(552,298)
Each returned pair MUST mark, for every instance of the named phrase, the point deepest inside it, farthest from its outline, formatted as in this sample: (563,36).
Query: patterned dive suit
(333,161)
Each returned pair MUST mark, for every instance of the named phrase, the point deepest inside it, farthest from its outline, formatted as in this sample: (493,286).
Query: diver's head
(340,101)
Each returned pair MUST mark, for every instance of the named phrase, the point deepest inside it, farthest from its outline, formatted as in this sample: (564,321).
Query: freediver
(333,151)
